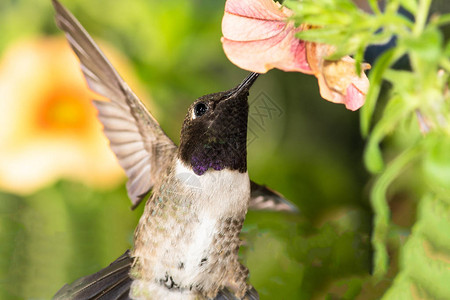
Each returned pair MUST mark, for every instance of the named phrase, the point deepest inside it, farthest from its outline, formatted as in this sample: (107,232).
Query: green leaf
(381,208)
(409,5)
(441,20)
(436,164)
(375,79)
(319,35)
(425,259)
(373,158)
(397,109)
(427,46)
(447,50)
(374,6)
(401,80)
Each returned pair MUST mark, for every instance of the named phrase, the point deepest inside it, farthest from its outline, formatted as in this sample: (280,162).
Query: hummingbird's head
(214,132)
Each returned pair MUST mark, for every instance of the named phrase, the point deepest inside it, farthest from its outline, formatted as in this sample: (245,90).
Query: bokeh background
(64,212)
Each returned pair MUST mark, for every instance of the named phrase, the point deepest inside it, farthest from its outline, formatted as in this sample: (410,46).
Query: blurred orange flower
(48,126)
(258,35)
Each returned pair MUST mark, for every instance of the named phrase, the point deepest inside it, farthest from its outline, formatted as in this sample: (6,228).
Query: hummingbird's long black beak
(245,85)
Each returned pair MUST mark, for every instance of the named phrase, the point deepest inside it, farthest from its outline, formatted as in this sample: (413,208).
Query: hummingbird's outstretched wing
(264,198)
(114,282)
(136,138)
(140,145)
(110,283)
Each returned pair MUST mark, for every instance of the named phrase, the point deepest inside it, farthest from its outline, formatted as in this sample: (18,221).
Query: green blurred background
(308,149)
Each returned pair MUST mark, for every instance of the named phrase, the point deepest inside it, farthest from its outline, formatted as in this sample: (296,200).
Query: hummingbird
(187,240)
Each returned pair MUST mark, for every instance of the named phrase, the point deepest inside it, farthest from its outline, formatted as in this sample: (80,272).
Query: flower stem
(421,17)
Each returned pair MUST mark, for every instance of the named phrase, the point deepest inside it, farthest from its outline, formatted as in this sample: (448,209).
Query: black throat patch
(217,140)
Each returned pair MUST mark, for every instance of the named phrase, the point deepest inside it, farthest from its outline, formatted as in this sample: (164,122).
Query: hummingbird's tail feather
(112,282)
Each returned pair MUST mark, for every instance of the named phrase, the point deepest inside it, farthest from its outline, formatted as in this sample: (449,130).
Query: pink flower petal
(338,80)
(248,20)
(257,37)
(239,28)
(263,55)
(258,9)
(354,98)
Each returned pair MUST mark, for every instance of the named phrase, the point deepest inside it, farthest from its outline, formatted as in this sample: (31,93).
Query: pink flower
(258,36)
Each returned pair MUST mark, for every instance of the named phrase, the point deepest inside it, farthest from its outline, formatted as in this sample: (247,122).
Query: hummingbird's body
(188,237)
(187,240)
(190,244)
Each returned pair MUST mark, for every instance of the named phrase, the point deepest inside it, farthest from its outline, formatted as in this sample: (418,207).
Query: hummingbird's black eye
(200,109)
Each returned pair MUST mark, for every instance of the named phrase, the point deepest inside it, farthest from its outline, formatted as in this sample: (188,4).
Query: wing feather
(135,136)
(111,110)
(112,282)
(127,148)
(264,198)
(121,136)
(225,294)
